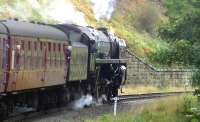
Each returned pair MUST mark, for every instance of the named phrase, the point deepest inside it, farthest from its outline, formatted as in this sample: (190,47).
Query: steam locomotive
(44,66)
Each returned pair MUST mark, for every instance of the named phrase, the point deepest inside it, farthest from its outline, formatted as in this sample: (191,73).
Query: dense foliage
(182,32)
(185,27)
(179,53)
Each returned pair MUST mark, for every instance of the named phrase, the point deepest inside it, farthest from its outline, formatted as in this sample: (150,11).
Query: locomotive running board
(109,61)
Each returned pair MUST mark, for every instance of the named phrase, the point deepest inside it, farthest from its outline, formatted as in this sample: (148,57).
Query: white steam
(85,100)
(63,11)
(60,11)
(103,8)
(101,99)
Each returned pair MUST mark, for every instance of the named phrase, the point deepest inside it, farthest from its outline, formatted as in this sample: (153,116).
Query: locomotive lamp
(18,47)
(69,48)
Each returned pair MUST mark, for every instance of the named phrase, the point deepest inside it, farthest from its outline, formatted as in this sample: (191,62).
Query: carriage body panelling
(36,56)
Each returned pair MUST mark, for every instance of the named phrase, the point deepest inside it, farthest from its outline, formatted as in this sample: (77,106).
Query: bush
(196,55)
(186,27)
(196,83)
(185,106)
(162,56)
(180,53)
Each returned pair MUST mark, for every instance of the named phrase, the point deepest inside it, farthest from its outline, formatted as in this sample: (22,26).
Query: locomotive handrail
(107,61)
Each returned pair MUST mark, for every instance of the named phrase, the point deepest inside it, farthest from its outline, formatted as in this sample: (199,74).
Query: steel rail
(133,97)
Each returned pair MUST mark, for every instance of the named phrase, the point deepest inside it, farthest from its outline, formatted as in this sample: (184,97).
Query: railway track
(20,117)
(133,97)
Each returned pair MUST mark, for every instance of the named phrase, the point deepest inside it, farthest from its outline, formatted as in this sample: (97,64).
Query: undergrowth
(171,109)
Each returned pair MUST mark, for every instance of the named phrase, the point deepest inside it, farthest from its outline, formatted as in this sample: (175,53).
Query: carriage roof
(28,29)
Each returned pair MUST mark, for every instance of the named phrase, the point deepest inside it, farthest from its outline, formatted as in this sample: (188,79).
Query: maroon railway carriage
(31,56)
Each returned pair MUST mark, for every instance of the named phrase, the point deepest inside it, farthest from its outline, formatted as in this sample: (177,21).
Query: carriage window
(35,56)
(29,45)
(17,55)
(38,55)
(22,53)
(58,55)
(29,55)
(49,46)
(49,55)
(40,45)
(43,58)
(35,45)
(54,47)
(61,54)
(1,55)
(63,47)
(22,45)
(55,53)
(59,47)
(52,55)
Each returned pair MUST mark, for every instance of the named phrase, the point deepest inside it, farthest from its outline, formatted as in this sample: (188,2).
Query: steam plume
(103,8)
(59,11)
(63,11)
(85,100)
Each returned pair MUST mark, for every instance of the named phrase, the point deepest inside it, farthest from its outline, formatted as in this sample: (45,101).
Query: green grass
(171,109)
(142,89)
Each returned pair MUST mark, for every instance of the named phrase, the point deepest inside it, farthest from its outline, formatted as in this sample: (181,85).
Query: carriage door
(67,55)
(3,56)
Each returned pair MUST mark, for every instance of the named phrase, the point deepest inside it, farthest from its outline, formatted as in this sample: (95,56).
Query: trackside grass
(142,89)
(170,109)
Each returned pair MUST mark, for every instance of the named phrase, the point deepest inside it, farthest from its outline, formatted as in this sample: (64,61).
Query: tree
(183,32)
(187,28)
